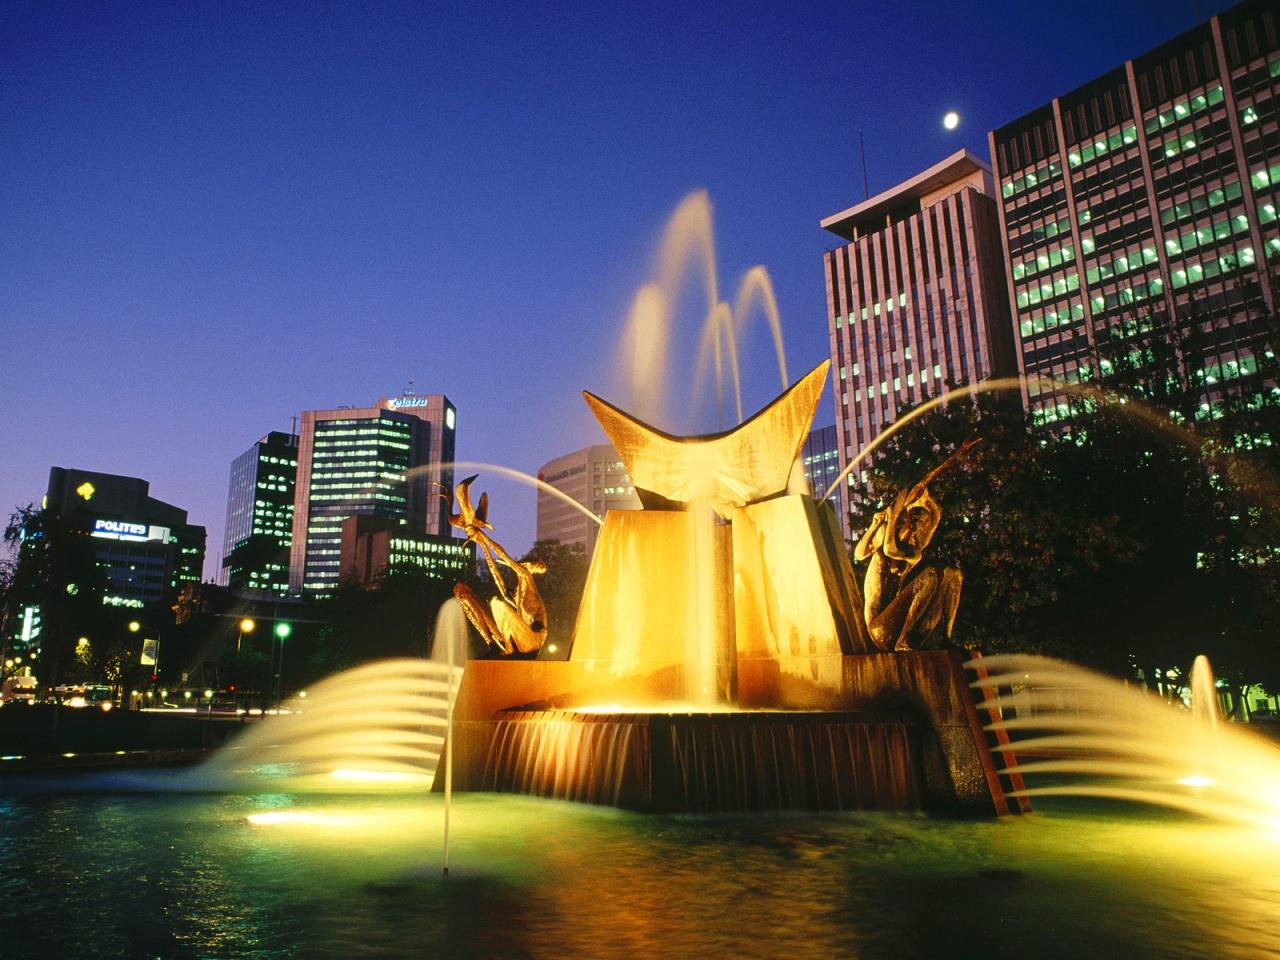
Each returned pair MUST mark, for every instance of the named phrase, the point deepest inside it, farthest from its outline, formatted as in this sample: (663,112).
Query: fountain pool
(317,876)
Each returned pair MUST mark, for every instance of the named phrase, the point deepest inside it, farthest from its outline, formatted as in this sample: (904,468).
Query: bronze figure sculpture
(513,620)
(902,609)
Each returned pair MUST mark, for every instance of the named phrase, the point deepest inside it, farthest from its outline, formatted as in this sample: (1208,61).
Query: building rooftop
(906,196)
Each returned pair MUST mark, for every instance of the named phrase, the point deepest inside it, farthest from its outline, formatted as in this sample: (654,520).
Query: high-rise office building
(595,478)
(390,460)
(1143,205)
(915,297)
(259,528)
(145,546)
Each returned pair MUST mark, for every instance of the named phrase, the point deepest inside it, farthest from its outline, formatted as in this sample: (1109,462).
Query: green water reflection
(328,876)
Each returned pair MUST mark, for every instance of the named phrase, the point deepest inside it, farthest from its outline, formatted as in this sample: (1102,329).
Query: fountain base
(888,731)
(708,762)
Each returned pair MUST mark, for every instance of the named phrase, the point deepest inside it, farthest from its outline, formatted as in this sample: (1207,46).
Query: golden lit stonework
(730,469)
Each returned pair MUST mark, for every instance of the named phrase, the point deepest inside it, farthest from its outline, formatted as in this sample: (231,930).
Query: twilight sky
(213,216)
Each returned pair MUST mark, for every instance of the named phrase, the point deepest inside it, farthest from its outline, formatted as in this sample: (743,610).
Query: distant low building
(145,546)
(371,546)
(593,477)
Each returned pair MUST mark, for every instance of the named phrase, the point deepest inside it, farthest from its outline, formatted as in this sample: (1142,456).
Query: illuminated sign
(150,652)
(402,403)
(124,530)
(119,527)
(448,418)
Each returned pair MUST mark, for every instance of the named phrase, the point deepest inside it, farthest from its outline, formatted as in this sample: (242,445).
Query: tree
(54,569)
(392,617)
(562,585)
(1131,538)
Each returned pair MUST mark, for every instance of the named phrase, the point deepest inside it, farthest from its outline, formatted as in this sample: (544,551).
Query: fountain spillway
(720,660)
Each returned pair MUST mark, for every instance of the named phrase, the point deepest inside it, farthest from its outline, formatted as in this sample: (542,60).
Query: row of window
(1041,322)
(1098,148)
(1199,204)
(1015,185)
(382,442)
(1184,109)
(1125,263)
(896,383)
(1048,291)
(1044,261)
(1229,369)
(874,309)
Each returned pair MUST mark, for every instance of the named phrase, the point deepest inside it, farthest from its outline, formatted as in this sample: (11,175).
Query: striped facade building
(390,461)
(1143,205)
(916,297)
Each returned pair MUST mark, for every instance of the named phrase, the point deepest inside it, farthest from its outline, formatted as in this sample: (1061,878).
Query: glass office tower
(390,461)
(1142,207)
(259,528)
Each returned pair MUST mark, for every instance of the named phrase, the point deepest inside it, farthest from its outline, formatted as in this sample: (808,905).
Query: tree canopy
(1131,537)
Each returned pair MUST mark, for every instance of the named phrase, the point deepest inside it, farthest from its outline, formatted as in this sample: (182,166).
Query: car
(19,690)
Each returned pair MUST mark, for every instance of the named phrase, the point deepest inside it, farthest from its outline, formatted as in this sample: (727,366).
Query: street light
(282,631)
(134,626)
(247,625)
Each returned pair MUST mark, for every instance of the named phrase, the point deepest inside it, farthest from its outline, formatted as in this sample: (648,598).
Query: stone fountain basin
(705,762)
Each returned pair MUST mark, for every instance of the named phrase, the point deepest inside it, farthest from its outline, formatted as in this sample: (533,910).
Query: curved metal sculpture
(513,620)
(901,610)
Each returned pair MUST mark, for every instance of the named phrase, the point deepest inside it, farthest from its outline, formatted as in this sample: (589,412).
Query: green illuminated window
(1028,180)
(1265,176)
(1102,146)
(1185,108)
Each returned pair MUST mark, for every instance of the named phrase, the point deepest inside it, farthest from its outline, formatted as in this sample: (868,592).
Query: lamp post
(282,631)
(247,625)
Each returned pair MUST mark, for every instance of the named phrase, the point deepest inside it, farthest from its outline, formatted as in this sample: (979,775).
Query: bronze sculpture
(901,610)
(512,621)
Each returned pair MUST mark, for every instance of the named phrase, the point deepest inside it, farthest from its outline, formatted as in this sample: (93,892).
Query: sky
(214,216)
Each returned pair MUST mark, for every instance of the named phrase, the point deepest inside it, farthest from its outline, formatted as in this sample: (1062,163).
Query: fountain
(721,659)
(1089,735)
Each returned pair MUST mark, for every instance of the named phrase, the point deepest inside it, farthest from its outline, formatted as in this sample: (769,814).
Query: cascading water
(378,725)
(1075,732)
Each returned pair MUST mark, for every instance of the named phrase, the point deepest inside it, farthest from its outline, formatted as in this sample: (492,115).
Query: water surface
(178,875)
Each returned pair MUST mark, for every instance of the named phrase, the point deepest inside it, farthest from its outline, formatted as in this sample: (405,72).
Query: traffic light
(283,629)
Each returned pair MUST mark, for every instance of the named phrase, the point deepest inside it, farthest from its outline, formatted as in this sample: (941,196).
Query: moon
(951,120)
